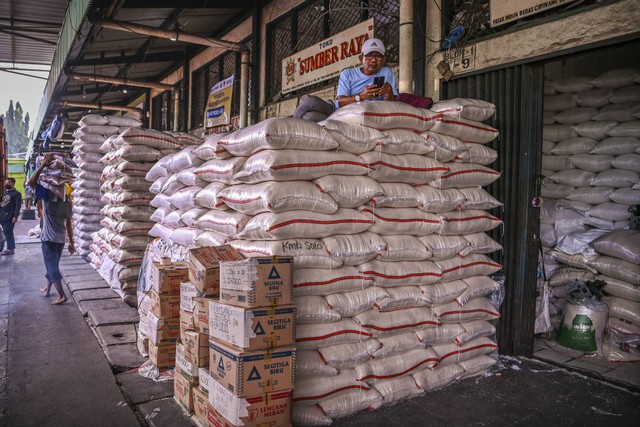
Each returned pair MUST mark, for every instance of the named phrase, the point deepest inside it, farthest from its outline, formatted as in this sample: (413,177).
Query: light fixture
(124,90)
(173,39)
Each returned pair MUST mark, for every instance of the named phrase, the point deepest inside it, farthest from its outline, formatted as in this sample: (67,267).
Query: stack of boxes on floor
(382,209)
(237,320)
(591,165)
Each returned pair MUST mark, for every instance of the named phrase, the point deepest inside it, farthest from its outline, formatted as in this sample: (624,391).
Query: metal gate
(517,92)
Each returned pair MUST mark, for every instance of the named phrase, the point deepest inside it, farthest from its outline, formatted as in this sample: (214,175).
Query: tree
(17,128)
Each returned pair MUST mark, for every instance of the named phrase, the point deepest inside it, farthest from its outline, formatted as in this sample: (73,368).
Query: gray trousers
(314,109)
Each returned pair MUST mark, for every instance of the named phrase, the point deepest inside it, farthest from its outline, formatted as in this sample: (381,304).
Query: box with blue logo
(250,373)
(256,282)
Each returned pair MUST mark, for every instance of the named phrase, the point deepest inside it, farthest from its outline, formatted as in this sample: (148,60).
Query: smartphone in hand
(378,81)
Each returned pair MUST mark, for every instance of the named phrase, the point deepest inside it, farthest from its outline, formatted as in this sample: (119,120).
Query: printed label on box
(238,275)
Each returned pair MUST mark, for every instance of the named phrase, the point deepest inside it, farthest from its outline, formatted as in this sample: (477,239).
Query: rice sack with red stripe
(384,115)
(464,130)
(476,309)
(462,175)
(315,336)
(320,281)
(384,323)
(376,370)
(393,221)
(406,168)
(401,273)
(311,390)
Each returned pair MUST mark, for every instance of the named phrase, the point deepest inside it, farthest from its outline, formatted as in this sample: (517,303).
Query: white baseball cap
(373,45)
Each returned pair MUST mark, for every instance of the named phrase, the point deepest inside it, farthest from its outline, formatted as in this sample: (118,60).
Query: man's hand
(374,91)
(14,219)
(71,248)
(48,158)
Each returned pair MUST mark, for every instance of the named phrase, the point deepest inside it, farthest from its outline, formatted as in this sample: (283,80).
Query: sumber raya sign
(325,59)
(503,11)
(218,111)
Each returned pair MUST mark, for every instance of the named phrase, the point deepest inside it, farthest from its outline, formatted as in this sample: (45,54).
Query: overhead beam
(127,59)
(30,21)
(64,104)
(120,81)
(24,36)
(190,4)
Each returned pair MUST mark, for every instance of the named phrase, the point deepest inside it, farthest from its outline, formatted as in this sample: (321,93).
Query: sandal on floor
(7,253)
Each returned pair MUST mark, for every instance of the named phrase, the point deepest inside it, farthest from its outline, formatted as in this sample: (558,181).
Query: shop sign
(218,111)
(462,59)
(503,11)
(325,59)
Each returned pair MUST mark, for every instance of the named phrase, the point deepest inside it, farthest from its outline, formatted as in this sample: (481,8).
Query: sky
(26,90)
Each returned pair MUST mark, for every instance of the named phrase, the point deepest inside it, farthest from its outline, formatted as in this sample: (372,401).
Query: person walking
(9,211)
(56,227)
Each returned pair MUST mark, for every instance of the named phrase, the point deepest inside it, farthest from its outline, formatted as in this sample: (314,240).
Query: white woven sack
(476,365)
(211,238)
(316,336)
(472,265)
(310,416)
(556,133)
(465,108)
(398,343)
(133,228)
(157,171)
(134,168)
(310,363)
(397,195)
(616,146)
(444,148)
(477,286)
(624,309)
(276,134)
(572,84)
(480,243)
(617,77)
(208,196)
(477,198)
(443,292)
(626,94)
(132,198)
(184,159)
(452,353)
(354,249)
(160,201)
(575,115)
(352,303)
(184,199)
(186,138)
(345,356)
(402,297)
(610,211)
(596,130)
(559,102)
(319,281)
(85,210)
(174,219)
(629,162)
(548,88)
(123,122)
(616,178)
(465,130)
(376,370)
(577,145)
(477,153)
(547,117)
(384,115)
(220,170)
(623,244)
(435,201)
(351,137)
(625,196)
(382,323)
(135,242)
(590,195)
(475,309)
(547,146)
(314,309)
(291,165)
(171,185)
(403,141)
(185,236)
(349,191)
(130,183)
(631,128)
(593,98)
(591,162)
(556,163)
(96,129)
(129,213)
(397,389)
(149,137)
(573,178)
(159,214)
(93,119)
(304,224)
(623,112)
(433,379)
(391,221)
(401,273)
(85,146)
(349,403)
(443,247)
(126,258)
(407,168)
(313,390)
(189,217)
(620,288)
(228,223)
(137,153)
(306,253)
(466,222)
(403,248)
(462,175)
(190,179)
(578,207)
(273,196)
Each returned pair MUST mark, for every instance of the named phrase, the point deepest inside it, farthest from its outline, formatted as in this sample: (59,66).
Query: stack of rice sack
(119,245)
(382,208)
(93,130)
(57,175)
(591,166)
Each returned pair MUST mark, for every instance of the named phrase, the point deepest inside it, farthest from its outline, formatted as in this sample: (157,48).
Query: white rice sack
(291,165)
(351,137)
(401,273)
(134,168)
(590,195)
(130,183)
(547,117)
(211,149)
(189,217)
(208,196)
(593,97)
(93,119)
(477,153)
(345,356)
(220,170)
(133,228)
(384,115)
(466,222)
(462,175)
(350,304)
(184,159)
(626,94)
(575,115)
(475,309)
(625,196)
(477,198)
(123,122)
(137,153)
(577,145)
(465,130)
(573,177)
(616,178)
(397,389)
(444,148)
(349,191)
(596,130)
(623,112)
(189,178)
(314,309)
(278,133)
(560,102)
(273,196)
(160,201)
(452,353)
(186,138)
(616,146)
(610,211)
(616,78)
(616,268)
(403,248)
(185,236)
(320,281)
(304,224)
(128,213)
(620,288)
(623,244)
(310,416)
(310,363)
(306,253)
(547,146)
(171,185)
(319,335)
(631,129)
(395,366)
(228,223)
(95,129)
(472,265)
(349,403)
(404,141)
(433,379)
(556,163)
(407,168)
(312,390)
(480,243)
(629,162)
(565,275)
(572,84)
(211,238)
(149,137)
(137,243)
(477,286)
(354,249)
(390,221)
(435,200)
(184,199)
(624,309)
(398,343)
(474,329)
(465,108)
(126,258)
(591,162)
(402,297)
(382,323)
(173,219)
(157,171)
(397,195)
(442,293)
(443,247)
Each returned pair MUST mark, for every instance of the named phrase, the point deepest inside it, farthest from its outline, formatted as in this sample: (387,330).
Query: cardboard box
(252,328)
(163,355)
(201,314)
(254,372)
(205,379)
(200,404)
(187,293)
(186,322)
(197,421)
(227,410)
(204,268)
(161,329)
(165,305)
(183,391)
(257,282)
(166,278)
(188,370)
(196,347)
